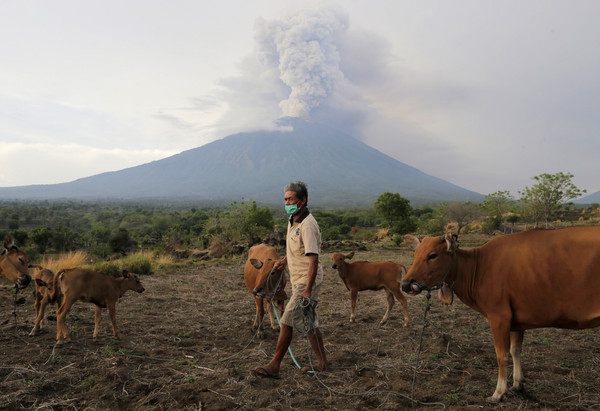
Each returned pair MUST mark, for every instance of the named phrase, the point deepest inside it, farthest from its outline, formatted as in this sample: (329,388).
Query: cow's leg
(39,310)
(353,295)
(258,319)
(112,312)
(516,341)
(61,314)
(402,300)
(97,317)
(390,305)
(501,334)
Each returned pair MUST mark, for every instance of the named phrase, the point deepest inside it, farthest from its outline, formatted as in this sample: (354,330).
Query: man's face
(290,198)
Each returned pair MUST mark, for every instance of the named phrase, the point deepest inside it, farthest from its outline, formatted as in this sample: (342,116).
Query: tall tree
(549,195)
(396,212)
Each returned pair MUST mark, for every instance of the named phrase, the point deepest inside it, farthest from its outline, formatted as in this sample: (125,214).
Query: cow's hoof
(493,399)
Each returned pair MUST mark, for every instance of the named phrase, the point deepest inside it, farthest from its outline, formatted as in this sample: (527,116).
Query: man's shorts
(293,318)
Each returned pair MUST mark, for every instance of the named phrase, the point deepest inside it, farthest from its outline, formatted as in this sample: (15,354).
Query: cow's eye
(432,256)
(22,262)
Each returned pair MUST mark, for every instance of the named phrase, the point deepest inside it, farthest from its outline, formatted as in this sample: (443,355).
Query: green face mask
(291,209)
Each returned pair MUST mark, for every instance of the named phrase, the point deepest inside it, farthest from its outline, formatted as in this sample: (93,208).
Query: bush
(137,264)
(108,267)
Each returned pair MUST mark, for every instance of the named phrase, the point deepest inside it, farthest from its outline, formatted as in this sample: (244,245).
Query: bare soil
(187,344)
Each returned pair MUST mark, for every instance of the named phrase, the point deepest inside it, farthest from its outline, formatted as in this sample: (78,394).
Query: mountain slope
(257,165)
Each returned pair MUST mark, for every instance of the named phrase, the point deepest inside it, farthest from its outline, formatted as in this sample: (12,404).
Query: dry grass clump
(68,260)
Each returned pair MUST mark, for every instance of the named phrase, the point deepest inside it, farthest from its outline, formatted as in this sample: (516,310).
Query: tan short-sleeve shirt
(303,237)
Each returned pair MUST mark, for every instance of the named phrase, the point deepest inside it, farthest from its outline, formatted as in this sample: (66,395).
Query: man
(303,245)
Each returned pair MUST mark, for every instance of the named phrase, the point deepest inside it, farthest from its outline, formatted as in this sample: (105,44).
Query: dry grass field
(186,344)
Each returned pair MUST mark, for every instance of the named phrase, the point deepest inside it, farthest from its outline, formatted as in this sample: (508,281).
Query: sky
(484,94)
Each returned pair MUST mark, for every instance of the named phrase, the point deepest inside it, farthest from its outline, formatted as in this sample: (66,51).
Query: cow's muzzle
(23,281)
(334,266)
(411,287)
(259,292)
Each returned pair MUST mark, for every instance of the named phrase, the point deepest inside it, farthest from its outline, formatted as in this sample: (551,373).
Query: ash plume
(303,48)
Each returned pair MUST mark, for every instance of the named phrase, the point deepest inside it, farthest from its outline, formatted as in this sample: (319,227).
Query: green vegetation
(141,236)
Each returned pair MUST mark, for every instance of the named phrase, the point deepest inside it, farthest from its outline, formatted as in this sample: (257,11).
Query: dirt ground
(186,344)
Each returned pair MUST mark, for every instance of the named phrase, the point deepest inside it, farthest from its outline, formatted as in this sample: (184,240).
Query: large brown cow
(261,283)
(47,292)
(14,264)
(532,279)
(92,287)
(376,275)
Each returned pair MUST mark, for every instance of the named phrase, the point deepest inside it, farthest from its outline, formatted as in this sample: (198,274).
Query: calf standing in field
(365,275)
(46,292)
(92,287)
(261,283)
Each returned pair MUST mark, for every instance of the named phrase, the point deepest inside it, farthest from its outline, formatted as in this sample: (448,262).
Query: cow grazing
(262,284)
(365,275)
(46,292)
(14,264)
(531,279)
(92,287)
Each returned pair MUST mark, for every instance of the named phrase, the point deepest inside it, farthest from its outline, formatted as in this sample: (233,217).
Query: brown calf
(261,259)
(365,275)
(92,287)
(14,264)
(46,292)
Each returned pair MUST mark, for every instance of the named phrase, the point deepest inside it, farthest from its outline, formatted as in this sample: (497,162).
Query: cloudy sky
(484,94)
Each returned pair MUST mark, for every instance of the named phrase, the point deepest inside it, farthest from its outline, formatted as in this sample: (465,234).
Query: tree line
(107,229)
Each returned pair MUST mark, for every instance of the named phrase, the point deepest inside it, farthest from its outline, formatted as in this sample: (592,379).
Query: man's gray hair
(299,188)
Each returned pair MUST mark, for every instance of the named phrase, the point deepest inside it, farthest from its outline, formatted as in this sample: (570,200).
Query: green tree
(42,237)
(549,195)
(396,212)
(498,204)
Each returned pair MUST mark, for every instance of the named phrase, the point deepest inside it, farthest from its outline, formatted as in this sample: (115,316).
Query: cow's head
(268,278)
(14,264)
(46,279)
(338,259)
(133,282)
(432,265)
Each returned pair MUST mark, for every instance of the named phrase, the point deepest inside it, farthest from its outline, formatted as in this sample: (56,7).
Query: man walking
(303,246)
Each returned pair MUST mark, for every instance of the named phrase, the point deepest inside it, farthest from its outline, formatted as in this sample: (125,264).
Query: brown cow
(377,275)
(92,287)
(14,264)
(532,279)
(46,292)
(261,283)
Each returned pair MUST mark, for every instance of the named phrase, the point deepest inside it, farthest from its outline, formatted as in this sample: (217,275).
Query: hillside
(338,169)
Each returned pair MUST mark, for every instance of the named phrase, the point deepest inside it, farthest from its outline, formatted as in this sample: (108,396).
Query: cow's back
(371,275)
(86,280)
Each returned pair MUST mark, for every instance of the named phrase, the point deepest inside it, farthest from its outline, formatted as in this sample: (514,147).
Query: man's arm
(313,265)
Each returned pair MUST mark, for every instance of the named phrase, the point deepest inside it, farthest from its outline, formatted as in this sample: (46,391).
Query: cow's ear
(446,294)
(349,255)
(125,274)
(9,242)
(40,282)
(256,263)
(411,242)
(451,242)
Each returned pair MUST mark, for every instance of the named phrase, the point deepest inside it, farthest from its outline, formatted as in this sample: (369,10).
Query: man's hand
(280,264)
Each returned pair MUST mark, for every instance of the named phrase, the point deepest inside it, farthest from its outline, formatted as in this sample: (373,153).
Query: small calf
(46,292)
(261,283)
(92,287)
(365,275)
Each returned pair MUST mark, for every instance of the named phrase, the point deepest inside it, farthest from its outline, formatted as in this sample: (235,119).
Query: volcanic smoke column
(303,49)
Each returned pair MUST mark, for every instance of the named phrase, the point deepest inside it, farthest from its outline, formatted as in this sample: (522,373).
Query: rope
(308,316)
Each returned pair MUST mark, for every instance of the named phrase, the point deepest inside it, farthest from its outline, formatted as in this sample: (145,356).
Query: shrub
(111,268)
(137,264)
